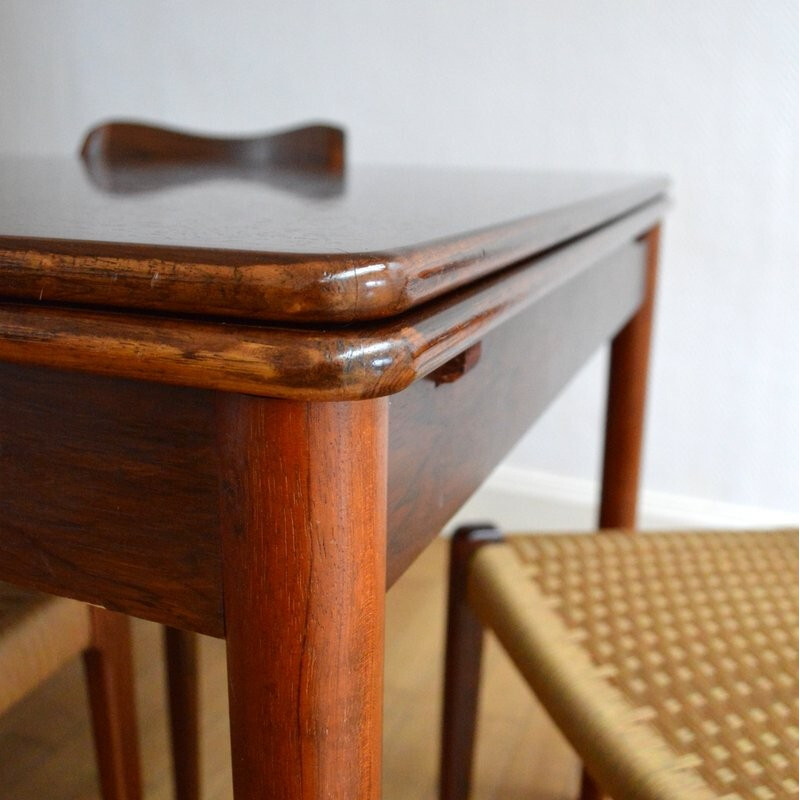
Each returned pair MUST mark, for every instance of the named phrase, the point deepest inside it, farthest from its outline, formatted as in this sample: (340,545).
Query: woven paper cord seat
(668,660)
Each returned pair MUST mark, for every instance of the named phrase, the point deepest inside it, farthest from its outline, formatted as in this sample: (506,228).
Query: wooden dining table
(242,403)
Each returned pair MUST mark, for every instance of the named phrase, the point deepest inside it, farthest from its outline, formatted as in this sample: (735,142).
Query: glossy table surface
(280,244)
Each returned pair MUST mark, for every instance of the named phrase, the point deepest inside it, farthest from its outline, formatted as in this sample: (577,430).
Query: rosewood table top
(267,281)
(282,244)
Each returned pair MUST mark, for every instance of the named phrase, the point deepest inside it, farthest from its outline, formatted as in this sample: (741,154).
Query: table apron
(445,439)
(109,488)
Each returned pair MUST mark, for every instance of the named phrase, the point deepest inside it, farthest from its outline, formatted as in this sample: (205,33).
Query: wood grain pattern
(141,537)
(445,440)
(627,390)
(303,246)
(108,494)
(304,526)
(128,157)
(350,362)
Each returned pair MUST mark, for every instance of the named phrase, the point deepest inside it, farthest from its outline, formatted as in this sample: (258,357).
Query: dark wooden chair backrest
(130,157)
(309,147)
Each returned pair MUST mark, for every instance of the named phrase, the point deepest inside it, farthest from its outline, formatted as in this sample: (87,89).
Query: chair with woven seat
(38,635)
(668,660)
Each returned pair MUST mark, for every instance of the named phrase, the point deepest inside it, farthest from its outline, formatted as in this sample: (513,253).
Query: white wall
(705,91)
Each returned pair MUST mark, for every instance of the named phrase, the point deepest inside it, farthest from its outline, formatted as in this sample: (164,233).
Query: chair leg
(589,789)
(462,666)
(183,696)
(109,676)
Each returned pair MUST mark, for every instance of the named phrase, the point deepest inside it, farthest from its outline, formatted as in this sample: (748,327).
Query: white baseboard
(523,499)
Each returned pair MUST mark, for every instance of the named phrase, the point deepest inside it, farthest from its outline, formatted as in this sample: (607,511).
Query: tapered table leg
(304,550)
(627,389)
(627,393)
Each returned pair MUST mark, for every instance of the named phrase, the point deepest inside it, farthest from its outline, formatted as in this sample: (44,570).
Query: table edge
(335,363)
(321,287)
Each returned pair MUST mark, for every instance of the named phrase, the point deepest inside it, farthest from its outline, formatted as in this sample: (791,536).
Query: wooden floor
(46,751)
